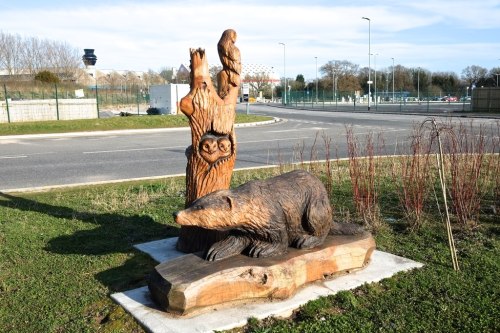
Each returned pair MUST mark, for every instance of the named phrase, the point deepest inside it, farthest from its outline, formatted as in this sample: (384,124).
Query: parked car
(449,99)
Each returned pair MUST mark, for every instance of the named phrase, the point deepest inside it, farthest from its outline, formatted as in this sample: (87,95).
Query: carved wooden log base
(190,284)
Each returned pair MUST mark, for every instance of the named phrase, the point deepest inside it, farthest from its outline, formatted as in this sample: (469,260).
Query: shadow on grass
(112,234)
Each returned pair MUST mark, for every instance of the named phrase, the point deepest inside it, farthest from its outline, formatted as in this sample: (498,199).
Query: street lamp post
(375,89)
(335,90)
(316,79)
(284,71)
(334,81)
(272,88)
(392,80)
(369,60)
(497,76)
(333,85)
(418,85)
(386,85)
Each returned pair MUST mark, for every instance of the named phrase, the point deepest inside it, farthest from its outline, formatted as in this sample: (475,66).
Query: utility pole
(369,60)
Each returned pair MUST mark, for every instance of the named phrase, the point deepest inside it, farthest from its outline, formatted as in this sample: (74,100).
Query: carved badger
(264,217)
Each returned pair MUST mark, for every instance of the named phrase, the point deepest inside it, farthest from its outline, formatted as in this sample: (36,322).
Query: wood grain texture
(190,284)
(265,217)
(211,114)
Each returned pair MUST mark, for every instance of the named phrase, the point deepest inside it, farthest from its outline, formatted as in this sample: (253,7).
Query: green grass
(432,299)
(107,124)
(62,253)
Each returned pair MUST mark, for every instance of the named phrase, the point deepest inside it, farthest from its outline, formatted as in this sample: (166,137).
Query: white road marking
(309,122)
(13,156)
(127,150)
(180,147)
(301,129)
(270,140)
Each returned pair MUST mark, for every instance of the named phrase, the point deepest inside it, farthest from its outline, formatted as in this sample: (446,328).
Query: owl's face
(224,145)
(209,144)
(213,147)
(233,36)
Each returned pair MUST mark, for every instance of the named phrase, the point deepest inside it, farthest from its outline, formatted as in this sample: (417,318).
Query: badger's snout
(175,215)
(181,218)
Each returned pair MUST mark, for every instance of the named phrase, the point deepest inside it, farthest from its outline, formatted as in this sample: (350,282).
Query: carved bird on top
(230,58)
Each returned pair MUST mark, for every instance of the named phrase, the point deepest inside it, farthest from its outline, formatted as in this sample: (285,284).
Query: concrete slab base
(138,302)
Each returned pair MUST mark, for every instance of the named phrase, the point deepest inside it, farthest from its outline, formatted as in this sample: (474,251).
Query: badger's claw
(307,242)
(226,248)
(261,249)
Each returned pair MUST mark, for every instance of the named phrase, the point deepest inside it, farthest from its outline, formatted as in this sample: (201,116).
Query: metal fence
(401,100)
(486,99)
(54,96)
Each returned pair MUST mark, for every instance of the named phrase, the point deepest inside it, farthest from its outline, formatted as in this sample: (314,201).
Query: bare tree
(132,81)
(10,53)
(343,72)
(214,70)
(258,82)
(167,73)
(151,77)
(31,55)
(66,60)
(115,80)
(494,76)
(474,74)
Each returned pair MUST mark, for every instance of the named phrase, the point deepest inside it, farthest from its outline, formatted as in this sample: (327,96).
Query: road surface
(64,160)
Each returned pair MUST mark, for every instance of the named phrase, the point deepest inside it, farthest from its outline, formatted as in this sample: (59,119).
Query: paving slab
(138,302)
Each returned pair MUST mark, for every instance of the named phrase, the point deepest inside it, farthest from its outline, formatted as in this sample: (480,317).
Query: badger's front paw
(307,242)
(261,249)
(226,248)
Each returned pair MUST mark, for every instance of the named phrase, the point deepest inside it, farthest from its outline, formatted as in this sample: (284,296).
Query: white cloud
(483,14)
(140,36)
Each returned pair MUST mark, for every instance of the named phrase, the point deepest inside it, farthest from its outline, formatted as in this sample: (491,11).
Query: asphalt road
(32,162)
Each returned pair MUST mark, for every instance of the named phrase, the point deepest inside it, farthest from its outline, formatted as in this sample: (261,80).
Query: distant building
(249,71)
(166,97)
(25,75)
(183,69)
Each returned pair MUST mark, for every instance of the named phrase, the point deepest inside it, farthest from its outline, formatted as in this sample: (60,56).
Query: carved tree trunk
(211,114)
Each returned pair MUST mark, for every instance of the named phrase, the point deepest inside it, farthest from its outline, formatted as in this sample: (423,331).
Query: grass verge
(62,253)
(107,124)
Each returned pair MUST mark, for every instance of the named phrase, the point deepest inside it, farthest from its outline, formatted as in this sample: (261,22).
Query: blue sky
(151,34)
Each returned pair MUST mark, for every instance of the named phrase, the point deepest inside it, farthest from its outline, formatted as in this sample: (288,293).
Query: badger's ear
(230,201)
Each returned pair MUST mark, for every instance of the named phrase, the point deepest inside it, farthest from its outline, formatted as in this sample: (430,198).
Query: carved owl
(224,146)
(229,55)
(209,148)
